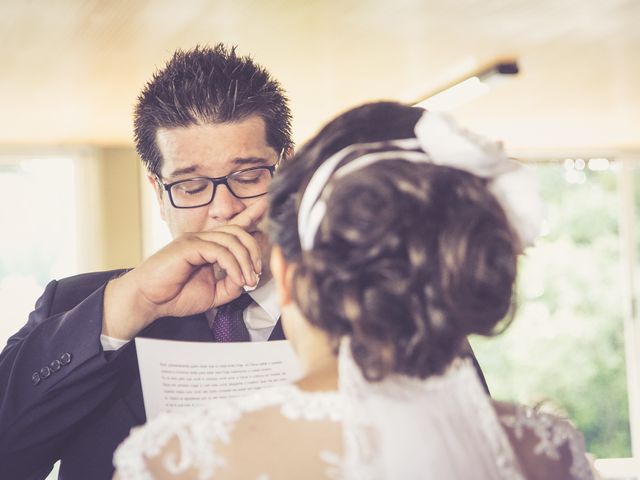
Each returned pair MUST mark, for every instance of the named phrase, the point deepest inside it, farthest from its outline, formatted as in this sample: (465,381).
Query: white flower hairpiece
(441,142)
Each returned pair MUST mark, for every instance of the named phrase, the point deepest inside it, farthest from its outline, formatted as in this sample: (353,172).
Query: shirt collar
(267,297)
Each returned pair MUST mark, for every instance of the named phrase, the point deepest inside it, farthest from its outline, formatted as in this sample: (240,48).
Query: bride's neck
(321,374)
(312,346)
(319,364)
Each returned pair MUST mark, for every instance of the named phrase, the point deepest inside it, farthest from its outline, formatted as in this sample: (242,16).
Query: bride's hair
(409,259)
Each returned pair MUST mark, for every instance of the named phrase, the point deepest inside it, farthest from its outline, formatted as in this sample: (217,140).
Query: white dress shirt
(260,317)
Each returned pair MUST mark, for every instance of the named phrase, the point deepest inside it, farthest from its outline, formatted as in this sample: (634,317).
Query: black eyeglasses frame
(218,181)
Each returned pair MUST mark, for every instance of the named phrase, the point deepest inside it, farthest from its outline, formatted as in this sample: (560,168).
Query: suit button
(45,372)
(35,378)
(55,365)
(65,358)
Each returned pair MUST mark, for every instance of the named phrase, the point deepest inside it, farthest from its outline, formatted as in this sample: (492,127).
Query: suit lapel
(194,328)
(133,399)
(277,333)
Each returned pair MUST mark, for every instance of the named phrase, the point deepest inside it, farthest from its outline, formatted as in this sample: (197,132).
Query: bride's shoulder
(219,436)
(548,446)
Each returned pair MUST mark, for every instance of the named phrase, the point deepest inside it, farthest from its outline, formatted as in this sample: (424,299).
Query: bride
(396,235)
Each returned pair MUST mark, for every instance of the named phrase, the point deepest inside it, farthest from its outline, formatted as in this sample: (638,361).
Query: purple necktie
(228,325)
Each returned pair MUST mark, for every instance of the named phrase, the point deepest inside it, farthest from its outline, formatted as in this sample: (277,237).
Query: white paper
(178,375)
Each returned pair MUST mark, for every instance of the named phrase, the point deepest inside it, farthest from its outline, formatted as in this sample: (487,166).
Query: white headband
(439,140)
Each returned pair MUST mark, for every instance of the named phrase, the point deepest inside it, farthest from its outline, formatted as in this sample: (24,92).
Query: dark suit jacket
(86,400)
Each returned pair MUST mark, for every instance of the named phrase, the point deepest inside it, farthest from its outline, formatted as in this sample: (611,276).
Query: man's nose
(225,205)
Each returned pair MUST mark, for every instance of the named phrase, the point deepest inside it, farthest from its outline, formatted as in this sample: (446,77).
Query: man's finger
(221,234)
(250,216)
(233,243)
(215,253)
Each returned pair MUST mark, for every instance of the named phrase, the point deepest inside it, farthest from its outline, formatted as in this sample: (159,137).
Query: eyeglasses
(198,192)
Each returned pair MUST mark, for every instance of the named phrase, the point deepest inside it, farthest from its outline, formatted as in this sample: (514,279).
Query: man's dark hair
(204,86)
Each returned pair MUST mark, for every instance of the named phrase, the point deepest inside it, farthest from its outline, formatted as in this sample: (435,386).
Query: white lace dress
(445,427)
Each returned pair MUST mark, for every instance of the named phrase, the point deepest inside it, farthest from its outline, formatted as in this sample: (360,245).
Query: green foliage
(566,345)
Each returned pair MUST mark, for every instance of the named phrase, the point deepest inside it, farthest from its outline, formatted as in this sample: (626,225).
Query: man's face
(211,150)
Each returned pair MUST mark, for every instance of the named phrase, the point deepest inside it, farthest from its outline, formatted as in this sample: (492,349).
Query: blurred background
(74,198)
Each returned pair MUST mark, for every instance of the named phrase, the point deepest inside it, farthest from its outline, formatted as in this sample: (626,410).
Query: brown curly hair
(409,258)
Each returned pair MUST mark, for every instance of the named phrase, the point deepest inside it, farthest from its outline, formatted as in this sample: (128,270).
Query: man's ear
(288,153)
(282,272)
(157,188)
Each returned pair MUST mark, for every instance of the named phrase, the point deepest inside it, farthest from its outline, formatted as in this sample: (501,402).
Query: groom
(210,128)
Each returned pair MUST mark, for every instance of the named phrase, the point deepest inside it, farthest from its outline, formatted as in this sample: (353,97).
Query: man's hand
(193,273)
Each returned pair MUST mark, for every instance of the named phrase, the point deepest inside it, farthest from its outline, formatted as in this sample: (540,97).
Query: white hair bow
(442,142)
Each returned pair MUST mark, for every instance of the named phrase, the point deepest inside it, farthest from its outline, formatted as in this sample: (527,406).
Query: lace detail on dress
(552,433)
(199,429)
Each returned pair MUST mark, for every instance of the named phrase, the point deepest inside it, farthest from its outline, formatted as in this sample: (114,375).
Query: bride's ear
(282,272)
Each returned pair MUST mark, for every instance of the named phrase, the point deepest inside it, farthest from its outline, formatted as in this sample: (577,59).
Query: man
(210,127)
